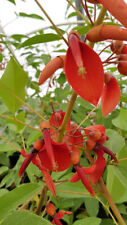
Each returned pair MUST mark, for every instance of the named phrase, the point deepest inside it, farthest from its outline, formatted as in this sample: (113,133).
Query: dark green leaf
(92,211)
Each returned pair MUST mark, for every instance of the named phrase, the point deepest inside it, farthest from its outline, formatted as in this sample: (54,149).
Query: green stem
(100,16)
(111,202)
(66,117)
(41,200)
(55,27)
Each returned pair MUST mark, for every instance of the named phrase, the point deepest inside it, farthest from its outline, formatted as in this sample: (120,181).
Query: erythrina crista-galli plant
(73,154)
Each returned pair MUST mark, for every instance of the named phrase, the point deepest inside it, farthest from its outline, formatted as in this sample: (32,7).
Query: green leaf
(3,169)
(72,190)
(121,120)
(3,191)
(115,142)
(12,1)
(5,147)
(12,199)
(107,222)
(43,38)
(14,78)
(117,183)
(34,16)
(88,221)
(24,218)
(92,211)
(21,117)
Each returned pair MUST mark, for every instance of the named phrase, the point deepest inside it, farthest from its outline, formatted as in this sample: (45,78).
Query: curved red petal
(23,152)
(110,96)
(89,85)
(99,165)
(75,178)
(61,214)
(48,180)
(61,155)
(84,180)
(26,162)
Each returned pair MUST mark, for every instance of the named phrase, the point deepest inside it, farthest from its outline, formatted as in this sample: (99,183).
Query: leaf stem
(53,24)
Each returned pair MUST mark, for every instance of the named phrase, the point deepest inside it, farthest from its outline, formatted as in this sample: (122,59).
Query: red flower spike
(110,96)
(27,161)
(83,179)
(45,128)
(51,68)
(103,32)
(108,151)
(61,156)
(89,86)
(117,8)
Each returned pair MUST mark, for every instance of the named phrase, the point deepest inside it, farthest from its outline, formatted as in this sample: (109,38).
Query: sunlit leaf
(13,79)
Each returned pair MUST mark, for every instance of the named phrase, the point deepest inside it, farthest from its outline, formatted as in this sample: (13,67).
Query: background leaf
(43,38)
(12,199)
(88,221)
(115,142)
(24,218)
(14,78)
(121,120)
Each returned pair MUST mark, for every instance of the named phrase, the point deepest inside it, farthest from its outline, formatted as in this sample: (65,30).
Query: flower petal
(90,84)
(61,155)
(110,96)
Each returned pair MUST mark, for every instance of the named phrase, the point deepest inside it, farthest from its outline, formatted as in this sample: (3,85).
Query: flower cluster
(89,82)
(49,155)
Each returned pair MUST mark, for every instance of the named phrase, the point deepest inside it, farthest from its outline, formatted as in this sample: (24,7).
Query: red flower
(84,70)
(95,171)
(32,156)
(50,208)
(61,156)
(110,95)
